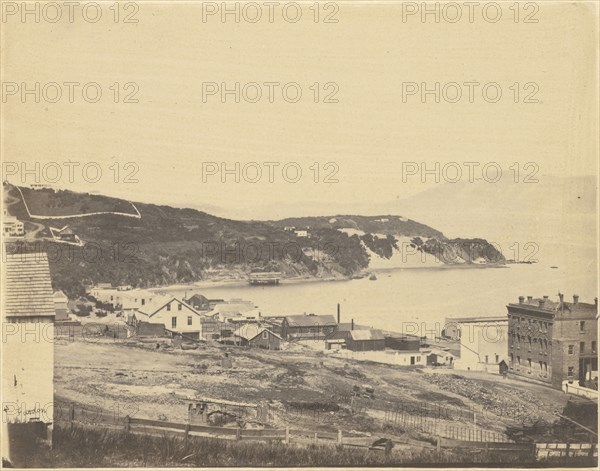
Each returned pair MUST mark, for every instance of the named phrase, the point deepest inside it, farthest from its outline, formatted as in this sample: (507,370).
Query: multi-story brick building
(554,341)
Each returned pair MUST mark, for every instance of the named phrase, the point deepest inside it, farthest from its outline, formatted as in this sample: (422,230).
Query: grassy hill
(176,245)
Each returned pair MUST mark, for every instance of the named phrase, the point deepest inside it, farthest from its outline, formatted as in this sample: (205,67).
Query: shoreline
(236,282)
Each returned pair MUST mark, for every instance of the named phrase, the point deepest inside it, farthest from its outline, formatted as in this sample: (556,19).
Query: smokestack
(575,298)
(596,301)
(521,299)
(529,298)
(545,298)
(561,297)
(542,302)
(352,325)
(338,312)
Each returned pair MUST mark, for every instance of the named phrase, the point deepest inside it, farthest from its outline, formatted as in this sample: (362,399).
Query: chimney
(596,301)
(575,298)
(529,298)
(521,299)
(352,325)
(561,297)
(542,302)
(545,298)
(338,312)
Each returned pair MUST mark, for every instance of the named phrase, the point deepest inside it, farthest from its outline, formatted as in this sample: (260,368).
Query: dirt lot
(304,389)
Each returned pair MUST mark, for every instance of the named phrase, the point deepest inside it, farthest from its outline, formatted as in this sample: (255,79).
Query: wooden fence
(435,427)
(565,450)
(457,437)
(472,434)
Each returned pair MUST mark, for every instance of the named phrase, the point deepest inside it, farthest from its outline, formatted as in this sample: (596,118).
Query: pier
(264,278)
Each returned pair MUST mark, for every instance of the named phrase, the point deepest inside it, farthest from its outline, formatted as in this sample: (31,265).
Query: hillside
(167,245)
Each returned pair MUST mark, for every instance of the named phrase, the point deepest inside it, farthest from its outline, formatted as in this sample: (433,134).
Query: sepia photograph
(311,233)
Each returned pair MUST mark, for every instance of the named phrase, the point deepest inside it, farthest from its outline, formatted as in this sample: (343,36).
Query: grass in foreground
(86,447)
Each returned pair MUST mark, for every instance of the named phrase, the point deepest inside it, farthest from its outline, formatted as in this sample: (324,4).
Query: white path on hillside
(69,216)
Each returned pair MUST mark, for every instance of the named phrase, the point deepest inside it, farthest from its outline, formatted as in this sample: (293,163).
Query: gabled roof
(367,334)
(303,320)
(198,298)
(251,331)
(161,301)
(59,296)
(27,286)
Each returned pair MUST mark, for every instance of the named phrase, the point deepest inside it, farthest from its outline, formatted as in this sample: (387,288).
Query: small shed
(363,340)
(252,335)
(199,302)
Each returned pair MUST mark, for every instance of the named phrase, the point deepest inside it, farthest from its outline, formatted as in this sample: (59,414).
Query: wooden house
(252,335)
(361,340)
(175,314)
(308,327)
(27,347)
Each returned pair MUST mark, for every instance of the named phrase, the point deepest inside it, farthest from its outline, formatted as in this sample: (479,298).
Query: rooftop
(250,331)
(27,286)
(303,320)
(370,334)
(158,302)
(559,308)
(475,319)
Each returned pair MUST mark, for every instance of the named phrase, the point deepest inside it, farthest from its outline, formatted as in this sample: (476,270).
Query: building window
(529,362)
(265,335)
(143,301)
(189,320)
(571,371)
(169,307)
(173,322)
(571,349)
(179,307)
(518,360)
(581,326)
(593,346)
(581,347)
(487,359)
(497,359)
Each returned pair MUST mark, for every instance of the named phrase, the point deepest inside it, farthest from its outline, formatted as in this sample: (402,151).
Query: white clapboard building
(27,347)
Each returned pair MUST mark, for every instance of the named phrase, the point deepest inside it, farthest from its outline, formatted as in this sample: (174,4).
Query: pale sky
(369,53)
